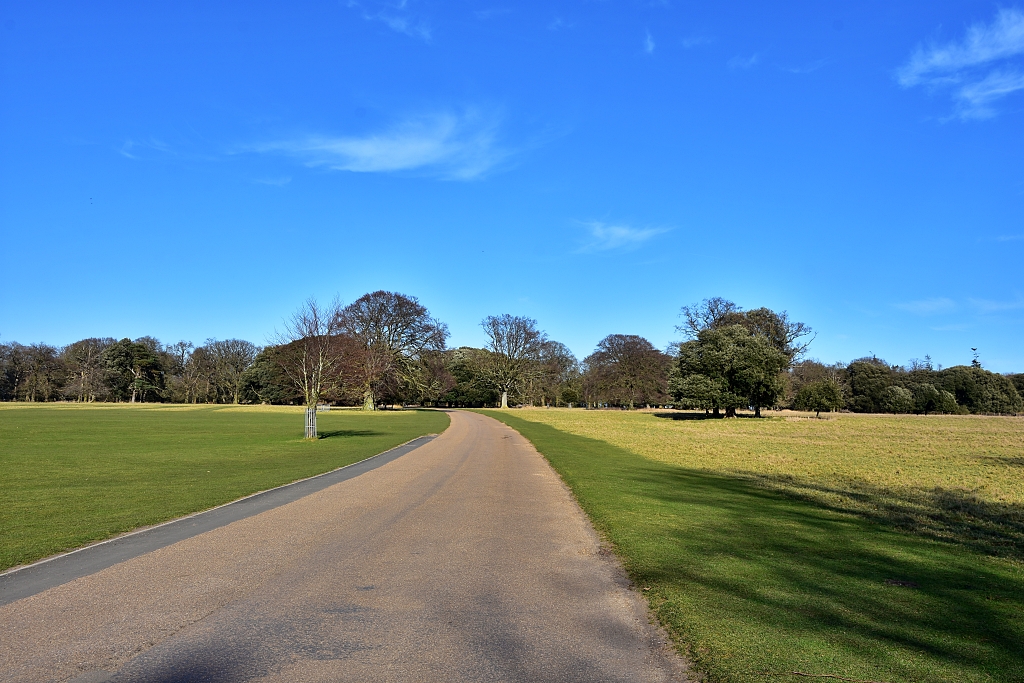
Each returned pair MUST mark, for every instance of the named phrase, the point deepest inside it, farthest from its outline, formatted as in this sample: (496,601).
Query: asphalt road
(463,560)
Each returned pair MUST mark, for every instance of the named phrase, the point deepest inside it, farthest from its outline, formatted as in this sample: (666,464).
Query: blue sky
(195,170)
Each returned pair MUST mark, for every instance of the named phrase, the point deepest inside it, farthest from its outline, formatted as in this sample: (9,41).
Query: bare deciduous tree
(393,331)
(86,369)
(515,345)
(312,352)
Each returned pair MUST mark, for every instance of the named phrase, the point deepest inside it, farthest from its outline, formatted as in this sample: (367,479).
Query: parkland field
(71,474)
(858,547)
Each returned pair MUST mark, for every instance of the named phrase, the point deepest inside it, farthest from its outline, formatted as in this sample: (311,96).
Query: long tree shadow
(343,433)
(703,416)
(954,516)
(756,577)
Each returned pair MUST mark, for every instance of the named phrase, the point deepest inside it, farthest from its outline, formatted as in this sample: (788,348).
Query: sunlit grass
(878,548)
(72,474)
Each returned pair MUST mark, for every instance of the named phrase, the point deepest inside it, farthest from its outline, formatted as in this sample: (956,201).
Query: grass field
(72,474)
(870,547)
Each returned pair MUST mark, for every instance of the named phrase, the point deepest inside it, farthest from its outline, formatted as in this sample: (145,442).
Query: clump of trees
(870,385)
(385,349)
(734,358)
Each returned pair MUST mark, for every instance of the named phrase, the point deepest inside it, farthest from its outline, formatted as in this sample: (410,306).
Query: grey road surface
(463,560)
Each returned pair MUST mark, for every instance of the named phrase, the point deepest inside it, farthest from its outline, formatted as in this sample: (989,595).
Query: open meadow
(72,474)
(875,548)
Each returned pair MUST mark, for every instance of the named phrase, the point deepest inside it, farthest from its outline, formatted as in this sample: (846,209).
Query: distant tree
(231,358)
(393,331)
(515,345)
(627,370)
(896,400)
(266,382)
(10,370)
(86,369)
(739,369)
(473,388)
(868,378)
(978,390)
(707,315)
(701,391)
(824,394)
(313,351)
(805,372)
(44,373)
(784,334)
(134,371)
(929,399)
(1017,380)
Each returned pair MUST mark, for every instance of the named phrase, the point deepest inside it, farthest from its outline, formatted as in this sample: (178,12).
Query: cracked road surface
(464,560)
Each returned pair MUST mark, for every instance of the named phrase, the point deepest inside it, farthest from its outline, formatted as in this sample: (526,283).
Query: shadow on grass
(950,515)
(755,579)
(702,416)
(342,433)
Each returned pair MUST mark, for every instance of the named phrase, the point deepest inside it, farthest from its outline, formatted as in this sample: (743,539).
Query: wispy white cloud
(484,14)
(928,306)
(558,24)
(608,237)
(991,306)
(397,16)
(695,41)
(969,66)
(458,147)
(950,328)
(279,182)
(739,62)
(1010,238)
(806,68)
(132,148)
(649,44)
(976,99)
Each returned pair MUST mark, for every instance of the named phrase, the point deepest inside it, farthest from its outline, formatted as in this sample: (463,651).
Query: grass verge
(756,580)
(71,474)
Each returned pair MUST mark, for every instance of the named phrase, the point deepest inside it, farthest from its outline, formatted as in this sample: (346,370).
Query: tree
(134,371)
(738,369)
(897,400)
(868,378)
(313,351)
(265,381)
(979,390)
(715,313)
(626,369)
(86,369)
(821,395)
(393,332)
(515,345)
(473,388)
(707,315)
(231,358)
(929,399)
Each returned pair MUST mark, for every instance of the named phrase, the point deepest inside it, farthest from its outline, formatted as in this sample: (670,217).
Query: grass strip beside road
(74,474)
(756,582)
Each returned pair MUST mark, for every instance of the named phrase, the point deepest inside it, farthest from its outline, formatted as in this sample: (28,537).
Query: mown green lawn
(873,548)
(73,474)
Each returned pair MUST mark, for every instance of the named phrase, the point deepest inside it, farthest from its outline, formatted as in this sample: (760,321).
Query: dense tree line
(135,371)
(385,349)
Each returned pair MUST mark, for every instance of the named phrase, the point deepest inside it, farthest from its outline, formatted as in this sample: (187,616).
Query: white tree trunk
(504,399)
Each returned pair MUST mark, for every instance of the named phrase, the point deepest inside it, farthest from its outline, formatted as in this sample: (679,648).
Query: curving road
(463,560)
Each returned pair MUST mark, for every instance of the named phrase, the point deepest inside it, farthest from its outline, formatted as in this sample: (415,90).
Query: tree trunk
(716,413)
(368,402)
(730,412)
(504,399)
(757,411)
